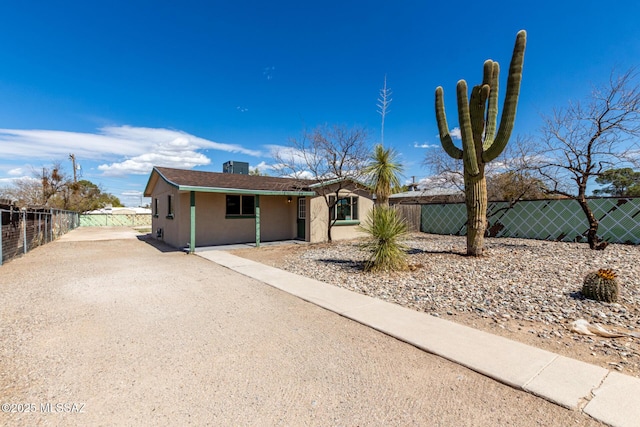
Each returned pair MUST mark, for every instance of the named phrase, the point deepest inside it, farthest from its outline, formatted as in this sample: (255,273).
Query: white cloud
(455,133)
(424,145)
(262,166)
(141,147)
(16,172)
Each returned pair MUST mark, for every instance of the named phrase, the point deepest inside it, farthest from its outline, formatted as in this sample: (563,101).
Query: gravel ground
(527,290)
(121,332)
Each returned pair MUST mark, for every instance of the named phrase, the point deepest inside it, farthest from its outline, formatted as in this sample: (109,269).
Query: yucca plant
(386,230)
(384,172)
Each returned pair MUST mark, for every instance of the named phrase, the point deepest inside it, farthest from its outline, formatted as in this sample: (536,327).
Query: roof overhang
(336,181)
(155,175)
(245,191)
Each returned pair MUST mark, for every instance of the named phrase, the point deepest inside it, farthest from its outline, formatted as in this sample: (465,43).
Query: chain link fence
(115,220)
(26,229)
(559,220)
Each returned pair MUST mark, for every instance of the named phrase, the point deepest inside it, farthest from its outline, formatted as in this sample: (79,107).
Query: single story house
(197,208)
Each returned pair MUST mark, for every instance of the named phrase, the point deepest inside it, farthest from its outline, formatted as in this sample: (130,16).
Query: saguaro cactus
(480,142)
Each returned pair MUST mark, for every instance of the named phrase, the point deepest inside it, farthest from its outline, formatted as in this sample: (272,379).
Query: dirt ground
(124,332)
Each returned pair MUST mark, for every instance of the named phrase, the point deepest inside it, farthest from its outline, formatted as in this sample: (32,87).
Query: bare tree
(52,188)
(38,190)
(330,156)
(580,142)
(24,192)
(507,177)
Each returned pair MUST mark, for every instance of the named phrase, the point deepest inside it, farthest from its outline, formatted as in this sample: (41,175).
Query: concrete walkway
(607,396)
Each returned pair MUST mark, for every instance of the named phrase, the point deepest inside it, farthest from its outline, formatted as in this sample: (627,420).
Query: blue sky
(124,85)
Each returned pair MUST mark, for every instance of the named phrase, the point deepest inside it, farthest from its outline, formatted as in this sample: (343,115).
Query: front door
(302,215)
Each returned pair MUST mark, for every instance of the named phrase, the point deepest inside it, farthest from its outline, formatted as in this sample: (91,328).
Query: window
(155,207)
(169,206)
(345,209)
(302,208)
(241,206)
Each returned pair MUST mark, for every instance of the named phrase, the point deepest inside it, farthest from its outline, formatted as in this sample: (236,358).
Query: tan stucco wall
(319,213)
(170,227)
(278,219)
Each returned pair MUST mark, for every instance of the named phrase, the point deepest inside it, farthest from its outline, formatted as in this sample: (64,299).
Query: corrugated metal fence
(23,230)
(560,220)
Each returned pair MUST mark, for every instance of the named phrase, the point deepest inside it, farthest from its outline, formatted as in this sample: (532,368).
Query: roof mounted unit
(236,167)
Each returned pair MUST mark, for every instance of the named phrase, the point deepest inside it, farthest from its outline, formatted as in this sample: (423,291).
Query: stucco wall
(170,227)
(319,213)
(278,218)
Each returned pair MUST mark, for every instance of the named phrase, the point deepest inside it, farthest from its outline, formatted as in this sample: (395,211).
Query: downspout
(257,220)
(192,239)
(1,232)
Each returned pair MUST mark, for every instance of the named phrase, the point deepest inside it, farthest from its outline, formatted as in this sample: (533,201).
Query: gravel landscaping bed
(527,290)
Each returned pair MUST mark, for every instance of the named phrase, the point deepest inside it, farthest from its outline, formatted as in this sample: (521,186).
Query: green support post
(257,221)
(192,239)
(1,256)
(24,231)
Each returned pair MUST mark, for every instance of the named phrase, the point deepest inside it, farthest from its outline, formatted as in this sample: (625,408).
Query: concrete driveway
(123,332)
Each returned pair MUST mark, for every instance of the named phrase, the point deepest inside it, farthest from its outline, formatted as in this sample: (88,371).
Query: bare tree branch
(328,155)
(580,142)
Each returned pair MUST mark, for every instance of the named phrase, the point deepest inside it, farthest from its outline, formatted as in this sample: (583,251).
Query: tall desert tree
(332,156)
(582,141)
(482,139)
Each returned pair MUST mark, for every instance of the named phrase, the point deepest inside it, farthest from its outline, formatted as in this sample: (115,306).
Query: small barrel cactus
(601,285)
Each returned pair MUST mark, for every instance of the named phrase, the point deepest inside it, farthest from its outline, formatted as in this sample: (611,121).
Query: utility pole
(45,182)
(72,157)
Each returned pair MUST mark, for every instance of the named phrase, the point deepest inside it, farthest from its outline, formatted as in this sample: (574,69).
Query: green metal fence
(560,220)
(24,230)
(115,220)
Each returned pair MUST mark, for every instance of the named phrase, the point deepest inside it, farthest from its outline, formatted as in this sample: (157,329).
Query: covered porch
(244,218)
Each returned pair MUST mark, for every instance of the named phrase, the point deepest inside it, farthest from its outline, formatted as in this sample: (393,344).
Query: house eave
(202,189)
(245,191)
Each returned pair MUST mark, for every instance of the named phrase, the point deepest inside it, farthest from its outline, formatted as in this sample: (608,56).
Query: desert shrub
(385,231)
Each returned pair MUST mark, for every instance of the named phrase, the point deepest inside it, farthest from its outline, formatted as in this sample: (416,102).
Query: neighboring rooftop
(433,195)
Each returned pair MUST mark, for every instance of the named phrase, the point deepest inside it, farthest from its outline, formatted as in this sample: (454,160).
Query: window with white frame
(344,209)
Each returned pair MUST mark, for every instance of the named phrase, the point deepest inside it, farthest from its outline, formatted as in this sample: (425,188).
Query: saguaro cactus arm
(490,77)
(511,100)
(443,127)
(477,104)
(469,155)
